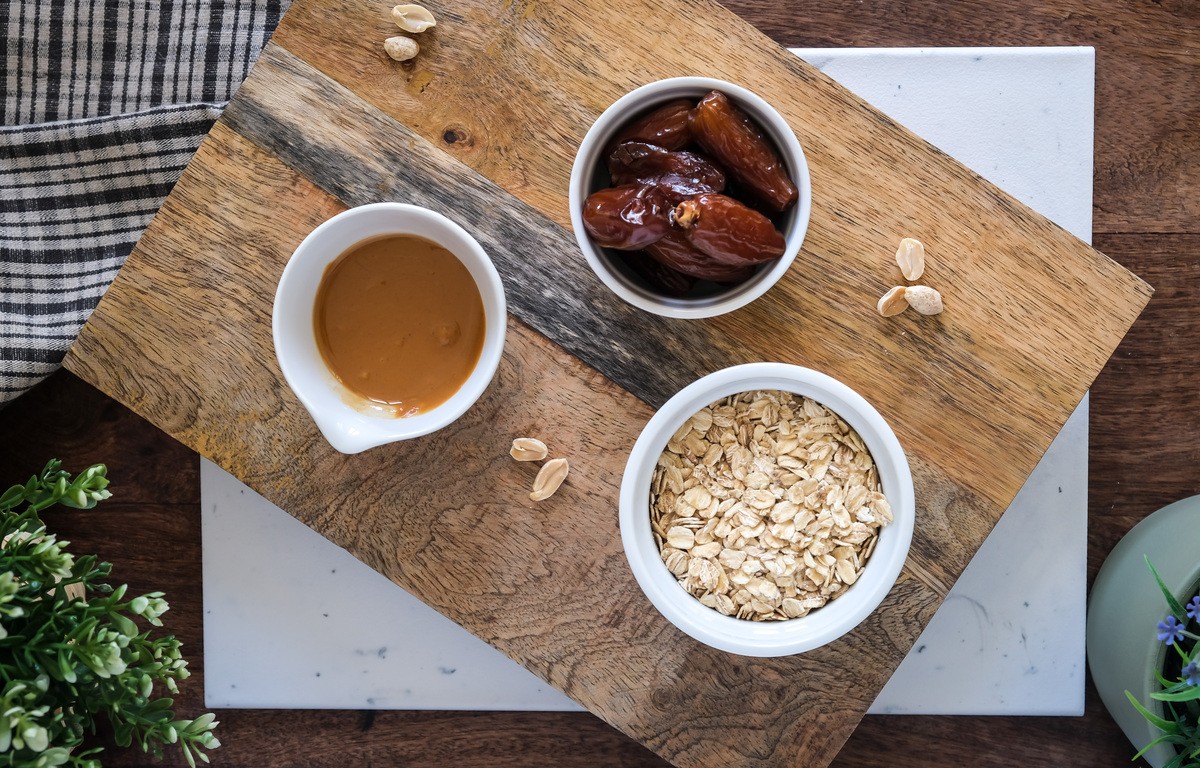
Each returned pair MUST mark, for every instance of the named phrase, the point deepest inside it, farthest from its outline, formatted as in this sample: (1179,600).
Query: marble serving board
(1007,640)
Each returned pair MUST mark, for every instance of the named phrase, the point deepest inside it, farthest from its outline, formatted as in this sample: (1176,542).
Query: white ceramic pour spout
(348,427)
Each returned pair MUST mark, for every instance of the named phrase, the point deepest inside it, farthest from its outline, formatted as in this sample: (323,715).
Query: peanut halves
(410,18)
(413,18)
(549,478)
(892,302)
(528,449)
(910,257)
(924,299)
(401,48)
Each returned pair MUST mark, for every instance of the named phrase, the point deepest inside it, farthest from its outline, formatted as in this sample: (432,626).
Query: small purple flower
(1191,672)
(1170,630)
(1193,608)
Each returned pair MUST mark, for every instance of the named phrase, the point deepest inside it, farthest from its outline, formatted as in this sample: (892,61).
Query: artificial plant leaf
(1164,739)
(1188,693)
(1175,606)
(12,497)
(1166,726)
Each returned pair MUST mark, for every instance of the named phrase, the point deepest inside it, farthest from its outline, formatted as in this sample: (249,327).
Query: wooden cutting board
(483,126)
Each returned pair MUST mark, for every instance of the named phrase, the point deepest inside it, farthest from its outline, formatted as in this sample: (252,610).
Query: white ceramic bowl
(754,638)
(343,417)
(588,174)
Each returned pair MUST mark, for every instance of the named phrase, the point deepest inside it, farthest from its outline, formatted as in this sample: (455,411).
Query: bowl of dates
(690,197)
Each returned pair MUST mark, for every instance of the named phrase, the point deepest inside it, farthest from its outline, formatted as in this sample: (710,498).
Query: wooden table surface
(1147,216)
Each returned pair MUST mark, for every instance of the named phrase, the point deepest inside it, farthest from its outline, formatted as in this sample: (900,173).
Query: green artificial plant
(1179,692)
(73,650)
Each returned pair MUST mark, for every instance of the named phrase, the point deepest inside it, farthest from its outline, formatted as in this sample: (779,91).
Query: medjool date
(674,251)
(731,137)
(679,174)
(627,218)
(665,126)
(727,230)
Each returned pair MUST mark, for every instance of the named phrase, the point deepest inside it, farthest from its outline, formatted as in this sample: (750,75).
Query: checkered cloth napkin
(103,104)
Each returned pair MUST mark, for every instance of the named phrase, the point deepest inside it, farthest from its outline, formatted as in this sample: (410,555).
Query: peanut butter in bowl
(389,323)
(399,321)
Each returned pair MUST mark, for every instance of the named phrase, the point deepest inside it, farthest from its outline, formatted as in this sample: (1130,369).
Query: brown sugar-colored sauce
(399,321)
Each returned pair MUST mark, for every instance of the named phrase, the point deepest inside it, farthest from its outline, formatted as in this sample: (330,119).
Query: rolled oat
(766,505)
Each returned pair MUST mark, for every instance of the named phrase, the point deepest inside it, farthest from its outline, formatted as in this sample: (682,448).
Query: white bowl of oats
(766,509)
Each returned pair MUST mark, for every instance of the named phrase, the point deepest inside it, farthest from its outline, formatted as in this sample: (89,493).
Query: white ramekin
(754,638)
(588,172)
(342,416)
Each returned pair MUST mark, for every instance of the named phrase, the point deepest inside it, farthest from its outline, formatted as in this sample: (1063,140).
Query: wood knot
(456,134)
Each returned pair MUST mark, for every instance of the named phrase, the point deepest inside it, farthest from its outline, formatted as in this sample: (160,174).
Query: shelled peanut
(910,257)
(410,18)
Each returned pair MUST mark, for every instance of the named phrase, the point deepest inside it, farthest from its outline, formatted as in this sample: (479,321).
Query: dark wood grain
(84,427)
(1151,381)
(1144,419)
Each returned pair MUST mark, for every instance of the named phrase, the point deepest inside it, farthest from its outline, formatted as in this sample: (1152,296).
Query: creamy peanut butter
(399,321)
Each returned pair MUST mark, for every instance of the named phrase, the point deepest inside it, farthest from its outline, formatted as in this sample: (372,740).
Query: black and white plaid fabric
(104,103)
